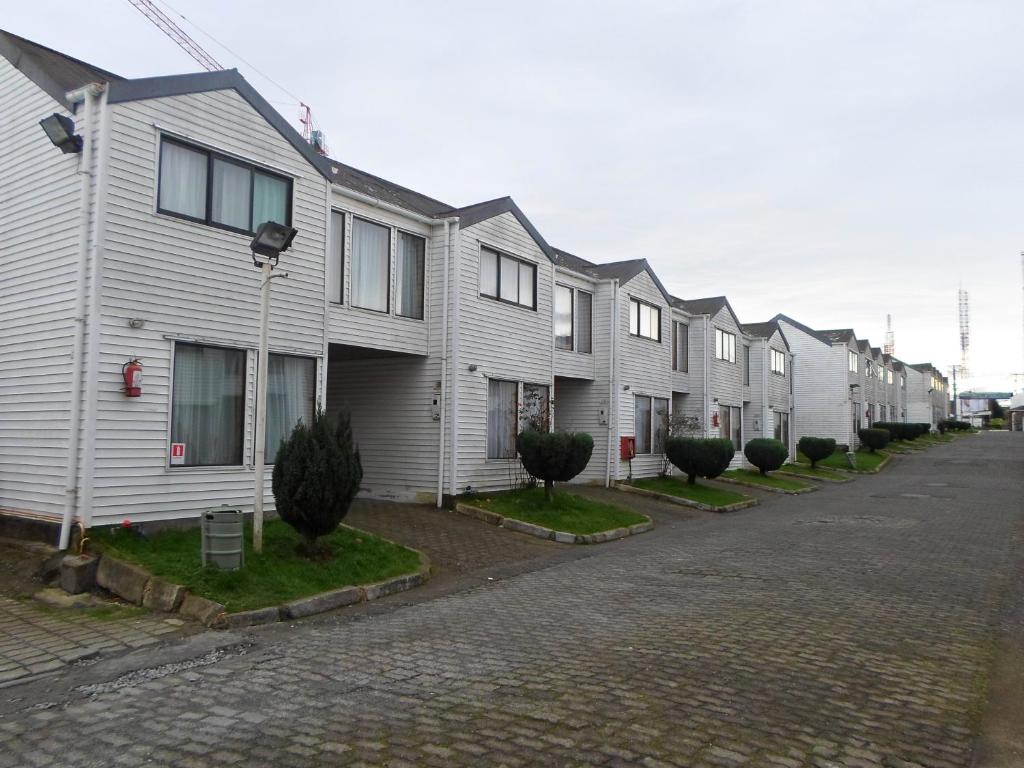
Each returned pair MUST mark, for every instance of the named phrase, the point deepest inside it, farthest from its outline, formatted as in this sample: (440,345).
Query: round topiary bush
(766,454)
(699,457)
(554,456)
(816,448)
(874,438)
(317,472)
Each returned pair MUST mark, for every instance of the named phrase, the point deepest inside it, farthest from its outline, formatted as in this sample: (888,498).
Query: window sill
(508,303)
(218,469)
(644,338)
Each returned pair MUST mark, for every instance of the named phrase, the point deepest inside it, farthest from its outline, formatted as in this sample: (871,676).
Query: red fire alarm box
(714,419)
(627,447)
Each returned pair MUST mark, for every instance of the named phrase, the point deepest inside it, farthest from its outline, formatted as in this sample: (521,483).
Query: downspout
(765,406)
(454,364)
(613,389)
(325,346)
(92,361)
(85,95)
(707,365)
(444,359)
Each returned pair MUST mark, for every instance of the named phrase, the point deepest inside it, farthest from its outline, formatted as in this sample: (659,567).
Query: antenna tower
(965,336)
(890,337)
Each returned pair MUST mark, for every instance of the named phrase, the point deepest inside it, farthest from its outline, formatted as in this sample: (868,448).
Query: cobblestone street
(852,627)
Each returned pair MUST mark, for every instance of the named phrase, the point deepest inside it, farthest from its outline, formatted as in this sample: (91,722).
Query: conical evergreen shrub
(317,474)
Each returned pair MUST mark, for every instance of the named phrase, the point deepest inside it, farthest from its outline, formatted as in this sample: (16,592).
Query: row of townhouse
(442,330)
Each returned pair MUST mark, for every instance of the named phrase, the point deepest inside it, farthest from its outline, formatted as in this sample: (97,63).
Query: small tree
(554,456)
(766,454)
(874,438)
(816,448)
(695,458)
(316,475)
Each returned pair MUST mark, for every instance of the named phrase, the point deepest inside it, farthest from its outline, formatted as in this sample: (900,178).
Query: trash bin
(223,538)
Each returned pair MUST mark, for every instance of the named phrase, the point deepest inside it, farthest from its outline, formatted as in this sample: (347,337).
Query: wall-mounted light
(269,242)
(625,387)
(472,367)
(136,323)
(60,130)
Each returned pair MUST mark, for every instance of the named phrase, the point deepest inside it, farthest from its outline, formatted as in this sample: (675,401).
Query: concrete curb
(562,537)
(759,487)
(874,471)
(684,502)
(814,477)
(215,616)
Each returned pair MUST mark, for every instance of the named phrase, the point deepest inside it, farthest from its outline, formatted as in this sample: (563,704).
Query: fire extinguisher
(132,374)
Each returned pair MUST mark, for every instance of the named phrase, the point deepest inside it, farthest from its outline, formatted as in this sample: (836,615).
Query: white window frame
(852,361)
(778,362)
(725,345)
(562,287)
(680,357)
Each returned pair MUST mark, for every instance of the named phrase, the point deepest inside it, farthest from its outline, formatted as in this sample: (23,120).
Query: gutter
(613,389)
(84,95)
(444,359)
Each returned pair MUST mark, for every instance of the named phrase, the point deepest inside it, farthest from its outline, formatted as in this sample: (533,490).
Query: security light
(855,386)
(60,129)
(270,240)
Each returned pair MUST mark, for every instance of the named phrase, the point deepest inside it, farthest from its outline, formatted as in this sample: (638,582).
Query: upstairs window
(725,345)
(644,320)
(778,362)
(584,322)
(507,278)
(853,362)
(410,275)
(746,364)
(220,191)
(336,258)
(680,347)
(563,317)
(371,265)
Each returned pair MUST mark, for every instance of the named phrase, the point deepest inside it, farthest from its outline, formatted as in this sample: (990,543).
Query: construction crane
(184,41)
(177,34)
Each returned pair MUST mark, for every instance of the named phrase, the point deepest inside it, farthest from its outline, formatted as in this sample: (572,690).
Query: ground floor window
(782,428)
(207,406)
(502,418)
(731,424)
(650,423)
(535,413)
(291,394)
(659,424)
(856,418)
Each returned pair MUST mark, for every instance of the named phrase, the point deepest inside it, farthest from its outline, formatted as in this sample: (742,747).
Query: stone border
(802,476)
(761,487)
(136,585)
(684,502)
(562,537)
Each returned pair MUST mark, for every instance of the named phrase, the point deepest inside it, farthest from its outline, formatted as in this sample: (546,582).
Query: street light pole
(270,241)
(261,407)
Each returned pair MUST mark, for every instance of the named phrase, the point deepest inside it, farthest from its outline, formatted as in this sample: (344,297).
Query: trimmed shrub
(554,456)
(874,438)
(699,457)
(317,473)
(816,448)
(766,454)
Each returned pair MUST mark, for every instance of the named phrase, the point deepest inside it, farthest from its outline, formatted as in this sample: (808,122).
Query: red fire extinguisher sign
(177,453)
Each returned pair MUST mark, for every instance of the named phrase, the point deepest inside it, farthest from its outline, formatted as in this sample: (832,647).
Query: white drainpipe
(453,385)
(85,95)
(613,389)
(707,365)
(444,358)
(765,406)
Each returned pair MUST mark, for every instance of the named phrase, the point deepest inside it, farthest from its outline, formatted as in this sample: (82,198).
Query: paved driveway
(851,627)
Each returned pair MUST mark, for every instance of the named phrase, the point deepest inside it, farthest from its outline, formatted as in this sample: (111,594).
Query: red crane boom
(176,33)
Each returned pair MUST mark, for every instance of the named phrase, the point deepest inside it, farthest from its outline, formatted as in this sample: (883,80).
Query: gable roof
(474,214)
(623,271)
(863,345)
(818,335)
(765,330)
(838,334)
(384,190)
(54,72)
(711,305)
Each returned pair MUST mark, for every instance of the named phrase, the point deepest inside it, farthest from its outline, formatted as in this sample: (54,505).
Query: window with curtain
(642,423)
(563,317)
(535,411)
(336,259)
(746,364)
(371,265)
(644,320)
(584,322)
(680,347)
(410,275)
(218,190)
(736,427)
(782,428)
(659,424)
(208,404)
(182,187)
(507,278)
(502,418)
(291,393)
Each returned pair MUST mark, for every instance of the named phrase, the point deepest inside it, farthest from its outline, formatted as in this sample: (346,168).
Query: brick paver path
(850,627)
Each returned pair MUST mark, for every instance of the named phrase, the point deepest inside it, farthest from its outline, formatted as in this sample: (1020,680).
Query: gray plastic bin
(223,538)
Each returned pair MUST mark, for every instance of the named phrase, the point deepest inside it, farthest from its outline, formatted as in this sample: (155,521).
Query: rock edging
(875,471)
(770,489)
(562,537)
(684,502)
(135,584)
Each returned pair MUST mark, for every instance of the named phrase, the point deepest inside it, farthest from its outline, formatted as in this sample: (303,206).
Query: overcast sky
(832,161)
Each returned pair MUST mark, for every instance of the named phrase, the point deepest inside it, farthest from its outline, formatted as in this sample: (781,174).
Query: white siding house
(770,410)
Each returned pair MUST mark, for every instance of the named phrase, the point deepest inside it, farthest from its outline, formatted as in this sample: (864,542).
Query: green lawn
(866,460)
(805,469)
(276,576)
(705,494)
(770,481)
(566,511)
